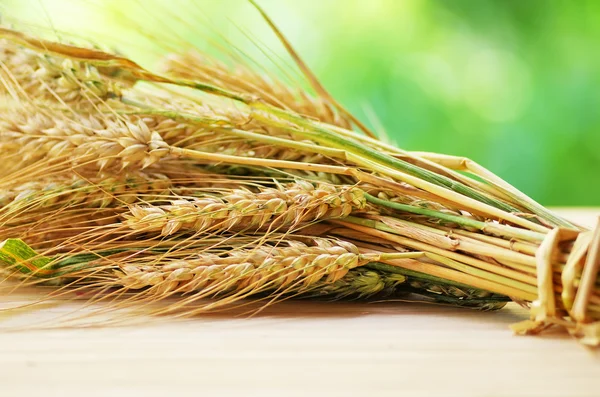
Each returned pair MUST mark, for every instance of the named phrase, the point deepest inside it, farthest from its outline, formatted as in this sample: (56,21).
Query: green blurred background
(511,84)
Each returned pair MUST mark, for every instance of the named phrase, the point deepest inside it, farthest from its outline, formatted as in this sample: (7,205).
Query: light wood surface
(300,349)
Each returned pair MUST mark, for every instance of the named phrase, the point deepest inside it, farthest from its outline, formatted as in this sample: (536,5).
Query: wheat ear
(84,138)
(371,283)
(99,191)
(241,78)
(291,264)
(239,209)
(26,74)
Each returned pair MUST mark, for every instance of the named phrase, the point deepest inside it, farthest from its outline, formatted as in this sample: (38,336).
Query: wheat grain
(455,295)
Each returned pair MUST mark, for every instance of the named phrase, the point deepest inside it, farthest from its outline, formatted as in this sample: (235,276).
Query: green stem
(502,230)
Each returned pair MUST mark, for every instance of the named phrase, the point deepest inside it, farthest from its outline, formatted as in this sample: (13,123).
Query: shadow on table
(26,310)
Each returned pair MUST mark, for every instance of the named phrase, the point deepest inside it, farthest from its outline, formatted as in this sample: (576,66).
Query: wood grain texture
(300,349)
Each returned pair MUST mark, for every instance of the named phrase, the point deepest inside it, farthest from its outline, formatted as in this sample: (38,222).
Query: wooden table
(302,349)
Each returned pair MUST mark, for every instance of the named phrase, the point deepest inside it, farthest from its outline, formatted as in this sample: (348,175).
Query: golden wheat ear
(241,78)
(243,210)
(28,75)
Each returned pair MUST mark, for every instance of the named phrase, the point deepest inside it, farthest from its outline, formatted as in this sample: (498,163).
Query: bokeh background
(511,84)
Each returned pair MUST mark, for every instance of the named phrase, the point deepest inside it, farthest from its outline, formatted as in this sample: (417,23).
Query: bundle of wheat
(140,194)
